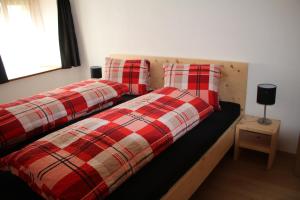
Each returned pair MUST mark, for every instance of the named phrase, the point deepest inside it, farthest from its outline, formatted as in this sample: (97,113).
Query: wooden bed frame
(233,88)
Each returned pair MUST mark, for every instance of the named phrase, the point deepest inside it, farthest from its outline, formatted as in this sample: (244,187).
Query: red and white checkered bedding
(201,80)
(133,73)
(91,158)
(25,118)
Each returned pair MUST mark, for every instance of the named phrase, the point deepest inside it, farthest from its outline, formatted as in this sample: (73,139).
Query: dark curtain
(67,37)
(3,76)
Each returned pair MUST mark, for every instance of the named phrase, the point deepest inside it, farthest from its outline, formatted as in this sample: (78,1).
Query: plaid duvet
(200,80)
(134,73)
(91,158)
(25,118)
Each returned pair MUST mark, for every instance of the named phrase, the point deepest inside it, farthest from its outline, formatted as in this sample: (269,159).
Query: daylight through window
(29,36)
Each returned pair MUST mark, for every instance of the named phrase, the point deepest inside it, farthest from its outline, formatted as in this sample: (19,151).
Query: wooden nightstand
(250,134)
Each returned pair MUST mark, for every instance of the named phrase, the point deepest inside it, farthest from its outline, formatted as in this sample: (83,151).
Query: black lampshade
(266,94)
(96,72)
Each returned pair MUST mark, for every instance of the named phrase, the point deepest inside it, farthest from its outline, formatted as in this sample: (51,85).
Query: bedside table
(250,134)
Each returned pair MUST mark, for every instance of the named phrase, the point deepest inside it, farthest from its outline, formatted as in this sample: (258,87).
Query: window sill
(49,69)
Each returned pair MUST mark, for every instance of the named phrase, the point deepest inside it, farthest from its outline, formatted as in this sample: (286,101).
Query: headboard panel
(233,84)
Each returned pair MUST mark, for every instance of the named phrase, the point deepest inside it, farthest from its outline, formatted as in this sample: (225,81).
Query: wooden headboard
(233,86)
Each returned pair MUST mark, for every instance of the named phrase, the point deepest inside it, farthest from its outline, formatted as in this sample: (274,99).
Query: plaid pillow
(133,73)
(200,80)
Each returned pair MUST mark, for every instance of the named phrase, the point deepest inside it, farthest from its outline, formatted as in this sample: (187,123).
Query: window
(29,37)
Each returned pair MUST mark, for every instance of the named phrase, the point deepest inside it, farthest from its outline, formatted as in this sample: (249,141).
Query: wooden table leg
(236,144)
(273,150)
(297,168)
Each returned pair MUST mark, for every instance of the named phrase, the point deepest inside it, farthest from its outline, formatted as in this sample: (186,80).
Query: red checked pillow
(201,80)
(133,73)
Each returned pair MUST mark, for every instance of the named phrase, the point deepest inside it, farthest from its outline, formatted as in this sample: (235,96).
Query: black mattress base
(223,144)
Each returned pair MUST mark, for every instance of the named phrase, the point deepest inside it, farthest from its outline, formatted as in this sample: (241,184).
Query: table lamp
(96,71)
(266,94)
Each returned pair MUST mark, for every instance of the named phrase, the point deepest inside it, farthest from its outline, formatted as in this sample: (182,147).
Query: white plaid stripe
(141,101)
(64,137)
(38,112)
(114,70)
(86,126)
(213,81)
(184,78)
(143,75)
(118,67)
(176,78)
(186,98)
(135,144)
(181,77)
(112,169)
(91,123)
(136,123)
(181,119)
(47,178)
(55,91)
(101,92)
(105,165)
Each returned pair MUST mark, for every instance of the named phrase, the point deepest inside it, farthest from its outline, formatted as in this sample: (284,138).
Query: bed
(233,89)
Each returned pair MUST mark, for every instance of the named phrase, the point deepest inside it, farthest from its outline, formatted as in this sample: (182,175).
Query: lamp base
(264,121)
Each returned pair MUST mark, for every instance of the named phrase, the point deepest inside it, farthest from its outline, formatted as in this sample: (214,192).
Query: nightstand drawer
(255,141)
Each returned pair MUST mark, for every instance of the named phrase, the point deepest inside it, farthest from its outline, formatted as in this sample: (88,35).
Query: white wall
(263,33)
